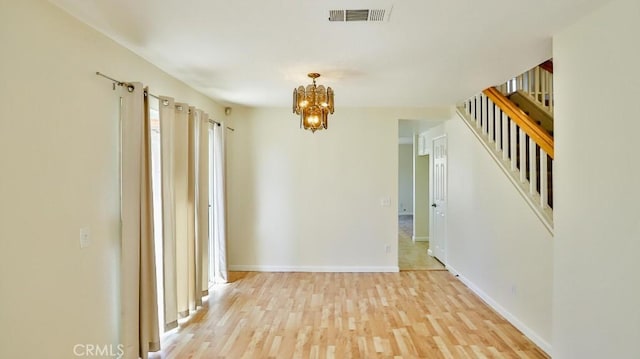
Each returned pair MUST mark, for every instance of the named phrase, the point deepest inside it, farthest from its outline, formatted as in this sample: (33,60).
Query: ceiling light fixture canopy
(313,104)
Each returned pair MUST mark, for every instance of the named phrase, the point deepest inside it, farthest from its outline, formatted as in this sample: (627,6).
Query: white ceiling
(254,52)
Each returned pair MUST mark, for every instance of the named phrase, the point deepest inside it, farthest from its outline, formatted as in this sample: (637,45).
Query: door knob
(434,205)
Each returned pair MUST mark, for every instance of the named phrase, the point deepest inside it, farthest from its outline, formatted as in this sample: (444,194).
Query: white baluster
(519,83)
(536,91)
(490,120)
(505,135)
(549,89)
(551,92)
(483,112)
(531,82)
(523,156)
(497,114)
(533,151)
(474,109)
(545,90)
(544,194)
(512,145)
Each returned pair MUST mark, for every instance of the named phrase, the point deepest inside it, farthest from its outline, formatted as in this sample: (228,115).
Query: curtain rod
(130,88)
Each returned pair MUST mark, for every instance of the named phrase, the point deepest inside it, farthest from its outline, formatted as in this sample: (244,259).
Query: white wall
(597,242)
(58,172)
(405,179)
(495,242)
(305,201)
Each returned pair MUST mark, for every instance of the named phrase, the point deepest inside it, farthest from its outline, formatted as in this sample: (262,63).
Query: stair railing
(521,146)
(537,84)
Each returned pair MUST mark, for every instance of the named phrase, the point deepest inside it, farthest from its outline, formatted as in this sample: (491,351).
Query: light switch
(85,239)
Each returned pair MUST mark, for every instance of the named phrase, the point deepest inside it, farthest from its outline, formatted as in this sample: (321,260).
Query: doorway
(413,209)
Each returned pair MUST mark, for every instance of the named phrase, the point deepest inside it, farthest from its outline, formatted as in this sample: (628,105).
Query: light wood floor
(414,314)
(413,255)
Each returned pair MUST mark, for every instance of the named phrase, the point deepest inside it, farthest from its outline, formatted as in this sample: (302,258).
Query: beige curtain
(181,181)
(140,333)
(167,112)
(185,241)
(203,206)
(198,230)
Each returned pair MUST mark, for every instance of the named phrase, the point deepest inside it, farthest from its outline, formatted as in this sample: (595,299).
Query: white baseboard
(528,332)
(324,269)
(420,238)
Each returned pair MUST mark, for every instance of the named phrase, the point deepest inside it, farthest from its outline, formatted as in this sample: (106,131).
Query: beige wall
(304,201)
(597,242)
(59,172)
(421,203)
(405,179)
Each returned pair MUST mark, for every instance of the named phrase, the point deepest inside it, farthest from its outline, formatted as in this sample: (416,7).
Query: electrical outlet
(387,249)
(514,290)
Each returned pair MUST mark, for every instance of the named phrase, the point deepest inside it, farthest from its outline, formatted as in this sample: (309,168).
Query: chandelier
(313,104)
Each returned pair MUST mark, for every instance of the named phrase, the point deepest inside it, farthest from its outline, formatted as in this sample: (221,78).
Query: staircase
(532,109)
(514,122)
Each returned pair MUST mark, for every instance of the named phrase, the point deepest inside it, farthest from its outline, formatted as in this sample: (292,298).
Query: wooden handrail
(547,65)
(535,131)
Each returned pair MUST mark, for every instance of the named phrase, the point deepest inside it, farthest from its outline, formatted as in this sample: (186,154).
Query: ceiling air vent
(336,15)
(376,14)
(358,15)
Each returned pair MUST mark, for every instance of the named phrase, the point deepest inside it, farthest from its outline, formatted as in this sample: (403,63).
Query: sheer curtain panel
(191,210)
(219,232)
(167,113)
(202,281)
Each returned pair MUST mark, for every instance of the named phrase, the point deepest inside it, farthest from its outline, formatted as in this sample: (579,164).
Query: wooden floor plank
(414,314)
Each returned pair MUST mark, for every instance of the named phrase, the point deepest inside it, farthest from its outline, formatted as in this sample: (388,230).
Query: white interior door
(437,242)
